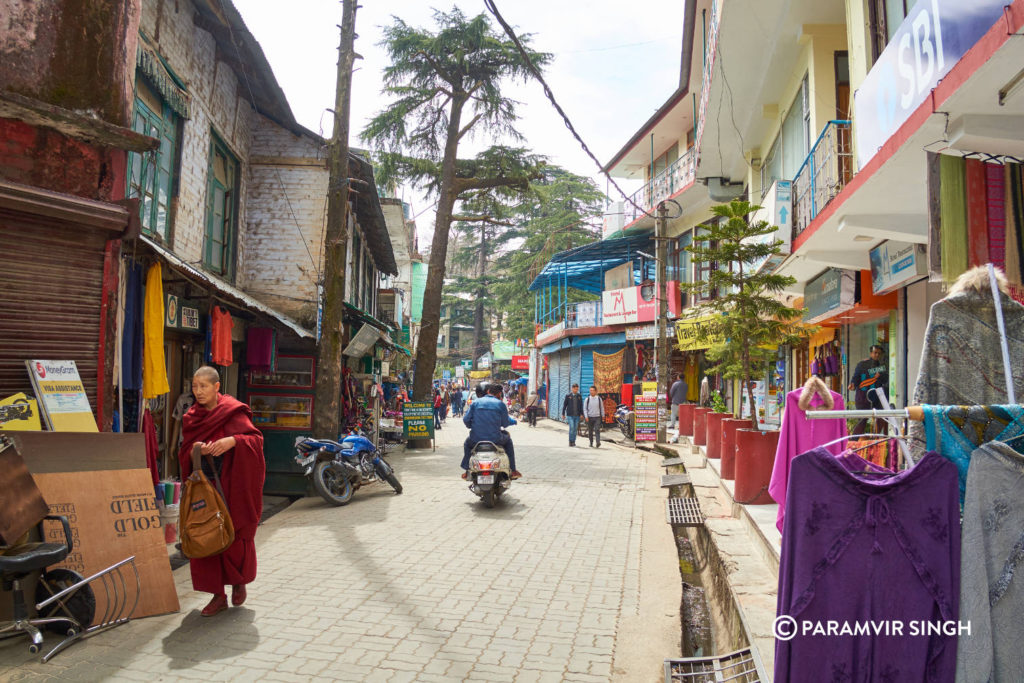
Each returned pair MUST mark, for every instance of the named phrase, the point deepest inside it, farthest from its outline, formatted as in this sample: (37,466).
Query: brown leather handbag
(204,521)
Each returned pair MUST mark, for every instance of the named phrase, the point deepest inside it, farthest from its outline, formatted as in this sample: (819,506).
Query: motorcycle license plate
(305,461)
(485,479)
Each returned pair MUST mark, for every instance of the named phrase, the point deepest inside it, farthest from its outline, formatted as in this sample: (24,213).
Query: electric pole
(661,289)
(327,409)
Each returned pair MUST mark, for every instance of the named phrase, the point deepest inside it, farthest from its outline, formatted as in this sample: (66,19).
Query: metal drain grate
(671,461)
(683,512)
(742,666)
(674,480)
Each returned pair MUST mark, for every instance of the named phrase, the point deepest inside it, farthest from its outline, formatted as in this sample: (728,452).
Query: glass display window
(291,372)
(281,411)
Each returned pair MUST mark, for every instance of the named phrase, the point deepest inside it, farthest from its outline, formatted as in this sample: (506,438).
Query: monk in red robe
(222,425)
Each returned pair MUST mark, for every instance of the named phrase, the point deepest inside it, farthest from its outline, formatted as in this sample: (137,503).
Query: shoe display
(238,594)
(219,603)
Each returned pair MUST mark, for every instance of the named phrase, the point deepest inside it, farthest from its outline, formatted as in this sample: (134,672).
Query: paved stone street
(426,586)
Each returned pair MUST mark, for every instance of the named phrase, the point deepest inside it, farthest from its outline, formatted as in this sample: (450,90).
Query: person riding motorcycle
(485,418)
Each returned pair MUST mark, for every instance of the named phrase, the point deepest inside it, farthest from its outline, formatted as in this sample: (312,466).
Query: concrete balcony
(639,210)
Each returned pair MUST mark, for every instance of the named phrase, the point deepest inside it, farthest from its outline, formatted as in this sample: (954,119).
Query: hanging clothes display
(154,367)
(260,349)
(962,362)
(131,337)
(152,447)
(799,435)
(220,337)
(608,371)
(991,596)
(691,373)
(862,547)
(995,205)
(956,431)
(1014,245)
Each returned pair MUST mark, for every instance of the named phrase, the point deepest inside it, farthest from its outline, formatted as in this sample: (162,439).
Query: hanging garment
(154,367)
(995,195)
(1014,224)
(131,337)
(691,373)
(934,218)
(608,371)
(953,232)
(962,362)
(977,214)
(799,435)
(857,549)
(220,337)
(260,344)
(152,447)
(991,596)
(956,431)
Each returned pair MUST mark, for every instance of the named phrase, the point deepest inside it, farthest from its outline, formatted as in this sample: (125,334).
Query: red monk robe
(242,473)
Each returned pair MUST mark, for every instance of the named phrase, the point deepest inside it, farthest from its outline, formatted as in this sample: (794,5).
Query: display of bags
(205,523)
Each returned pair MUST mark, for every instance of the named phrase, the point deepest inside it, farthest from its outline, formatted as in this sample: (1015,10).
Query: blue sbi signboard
(929,42)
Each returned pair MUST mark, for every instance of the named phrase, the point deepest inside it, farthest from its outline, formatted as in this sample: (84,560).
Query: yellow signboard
(62,399)
(18,412)
(693,334)
(479,374)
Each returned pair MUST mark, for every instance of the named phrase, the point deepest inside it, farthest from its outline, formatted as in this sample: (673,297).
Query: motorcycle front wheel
(386,473)
(331,484)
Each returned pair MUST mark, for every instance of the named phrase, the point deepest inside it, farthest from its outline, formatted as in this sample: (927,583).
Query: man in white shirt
(593,411)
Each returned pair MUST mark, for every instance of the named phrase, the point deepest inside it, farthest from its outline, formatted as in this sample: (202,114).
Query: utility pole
(661,289)
(327,410)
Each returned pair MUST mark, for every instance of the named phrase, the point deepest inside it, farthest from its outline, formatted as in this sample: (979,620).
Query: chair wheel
(72,631)
(33,648)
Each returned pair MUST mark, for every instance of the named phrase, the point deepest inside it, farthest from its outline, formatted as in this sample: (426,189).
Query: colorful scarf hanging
(977,213)
(608,371)
(934,219)
(953,201)
(995,195)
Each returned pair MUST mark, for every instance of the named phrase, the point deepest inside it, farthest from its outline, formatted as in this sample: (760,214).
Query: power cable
(493,9)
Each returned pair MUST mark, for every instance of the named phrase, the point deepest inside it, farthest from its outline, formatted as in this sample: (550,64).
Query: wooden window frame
(156,173)
(226,267)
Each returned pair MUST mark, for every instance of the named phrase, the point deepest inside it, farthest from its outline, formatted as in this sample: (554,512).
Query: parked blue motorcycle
(338,469)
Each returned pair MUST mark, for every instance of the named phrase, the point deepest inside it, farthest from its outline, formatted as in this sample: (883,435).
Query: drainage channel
(714,638)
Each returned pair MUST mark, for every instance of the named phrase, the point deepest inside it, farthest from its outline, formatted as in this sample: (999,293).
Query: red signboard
(520,362)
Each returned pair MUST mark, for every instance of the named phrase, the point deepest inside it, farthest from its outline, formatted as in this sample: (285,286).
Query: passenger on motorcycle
(485,419)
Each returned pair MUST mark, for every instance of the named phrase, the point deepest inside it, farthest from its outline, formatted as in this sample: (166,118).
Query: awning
(584,267)
(599,340)
(362,316)
(227,292)
(363,341)
(557,346)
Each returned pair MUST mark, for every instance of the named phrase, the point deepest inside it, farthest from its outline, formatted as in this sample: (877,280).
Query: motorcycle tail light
(486,464)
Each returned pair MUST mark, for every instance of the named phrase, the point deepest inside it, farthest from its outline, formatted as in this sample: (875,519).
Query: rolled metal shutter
(552,386)
(575,363)
(564,378)
(51,299)
(586,370)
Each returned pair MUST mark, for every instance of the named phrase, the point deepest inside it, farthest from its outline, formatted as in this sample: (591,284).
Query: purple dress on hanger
(857,549)
(799,435)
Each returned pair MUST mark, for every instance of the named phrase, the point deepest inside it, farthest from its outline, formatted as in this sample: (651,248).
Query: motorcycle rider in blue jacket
(485,418)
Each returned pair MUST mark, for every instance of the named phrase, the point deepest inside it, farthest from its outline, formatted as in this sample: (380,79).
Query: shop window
(885,17)
(151,175)
(221,209)
(792,144)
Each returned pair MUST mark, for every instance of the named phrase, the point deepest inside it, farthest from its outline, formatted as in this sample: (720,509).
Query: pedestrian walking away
(593,412)
(437,409)
(531,408)
(222,426)
(572,410)
(677,394)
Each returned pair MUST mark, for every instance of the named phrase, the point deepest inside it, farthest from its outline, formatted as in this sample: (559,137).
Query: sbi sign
(933,38)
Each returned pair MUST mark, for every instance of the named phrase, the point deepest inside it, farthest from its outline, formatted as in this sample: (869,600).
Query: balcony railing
(825,171)
(678,175)
(710,51)
(575,315)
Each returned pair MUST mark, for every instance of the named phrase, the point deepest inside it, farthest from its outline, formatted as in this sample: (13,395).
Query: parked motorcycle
(624,419)
(338,469)
(490,472)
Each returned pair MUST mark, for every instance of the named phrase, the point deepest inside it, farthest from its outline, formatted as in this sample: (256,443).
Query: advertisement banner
(587,313)
(520,362)
(181,314)
(640,332)
(929,42)
(829,294)
(479,374)
(62,400)
(419,286)
(466,363)
(460,372)
(629,305)
(693,334)
(418,420)
(896,264)
(645,413)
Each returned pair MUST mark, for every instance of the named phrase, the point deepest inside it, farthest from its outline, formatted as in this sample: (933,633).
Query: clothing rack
(915,413)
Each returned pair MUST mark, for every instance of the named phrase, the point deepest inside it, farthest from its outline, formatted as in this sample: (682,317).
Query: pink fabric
(799,435)
(152,446)
(996,195)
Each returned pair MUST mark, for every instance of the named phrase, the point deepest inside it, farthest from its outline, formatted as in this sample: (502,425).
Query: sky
(612,68)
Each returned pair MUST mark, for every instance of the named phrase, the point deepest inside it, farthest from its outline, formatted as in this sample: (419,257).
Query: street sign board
(446,374)
(466,363)
(418,420)
(645,413)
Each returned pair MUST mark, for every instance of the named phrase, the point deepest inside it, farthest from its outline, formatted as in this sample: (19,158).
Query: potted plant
(750,323)
(714,425)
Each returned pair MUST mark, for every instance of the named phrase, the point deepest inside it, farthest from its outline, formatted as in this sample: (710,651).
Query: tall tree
(439,77)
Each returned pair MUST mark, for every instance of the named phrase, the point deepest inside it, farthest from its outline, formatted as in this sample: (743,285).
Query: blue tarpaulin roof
(584,267)
(588,340)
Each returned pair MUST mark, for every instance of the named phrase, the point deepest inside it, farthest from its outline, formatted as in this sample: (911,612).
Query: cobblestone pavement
(426,586)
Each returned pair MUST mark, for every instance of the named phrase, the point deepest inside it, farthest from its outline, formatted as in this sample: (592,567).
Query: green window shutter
(151,174)
(219,244)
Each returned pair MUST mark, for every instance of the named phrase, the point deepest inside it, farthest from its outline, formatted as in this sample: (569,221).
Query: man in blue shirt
(485,418)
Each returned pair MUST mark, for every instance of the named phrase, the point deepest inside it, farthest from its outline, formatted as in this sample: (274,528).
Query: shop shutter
(564,377)
(552,386)
(50,303)
(575,362)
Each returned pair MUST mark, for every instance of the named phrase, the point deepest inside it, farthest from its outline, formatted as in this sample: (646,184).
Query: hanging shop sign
(418,420)
(776,209)
(693,334)
(829,294)
(520,362)
(479,374)
(930,40)
(645,413)
(639,332)
(629,305)
(466,363)
(181,314)
(62,400)
(897,264)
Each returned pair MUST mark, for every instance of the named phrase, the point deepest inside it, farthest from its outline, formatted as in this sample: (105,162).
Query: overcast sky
(614,65)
